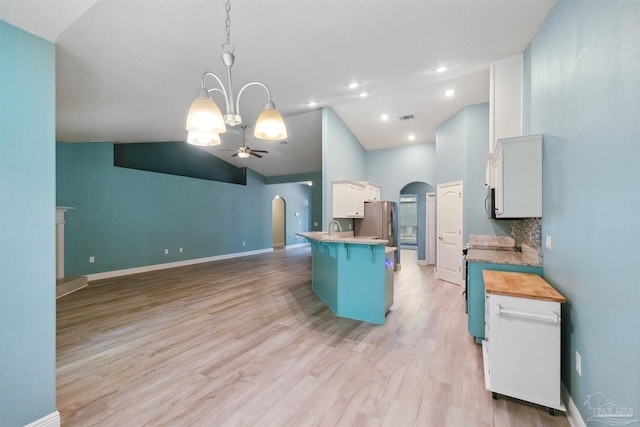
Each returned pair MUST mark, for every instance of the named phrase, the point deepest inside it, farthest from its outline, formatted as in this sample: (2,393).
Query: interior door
(277,221)
(449,218)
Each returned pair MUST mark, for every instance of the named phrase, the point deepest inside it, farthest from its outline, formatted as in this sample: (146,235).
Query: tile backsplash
(527,231)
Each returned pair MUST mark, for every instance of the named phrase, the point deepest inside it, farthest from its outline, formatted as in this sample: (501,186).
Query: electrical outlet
(349,226)
(166,251)
(180,250)
(548,243)
(315,224)
(578,363)
(92,259)
(243,243)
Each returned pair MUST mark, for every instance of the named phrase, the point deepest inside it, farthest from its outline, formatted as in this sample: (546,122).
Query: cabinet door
(356,200)
(519,177)
(374,193)
(524,349)
(340,201)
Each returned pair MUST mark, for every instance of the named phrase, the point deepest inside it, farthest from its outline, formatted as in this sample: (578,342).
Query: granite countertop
(498,256)
(342,237)
(501,250)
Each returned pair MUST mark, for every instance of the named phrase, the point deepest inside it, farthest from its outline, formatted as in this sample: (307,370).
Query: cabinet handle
(553,317)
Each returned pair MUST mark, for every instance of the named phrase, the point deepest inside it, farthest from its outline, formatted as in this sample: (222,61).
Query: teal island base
(353,279)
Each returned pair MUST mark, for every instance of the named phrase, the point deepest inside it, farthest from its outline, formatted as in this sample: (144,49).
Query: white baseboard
(297,245)
(51,420)
(144,269)
(422,262)
(573,414)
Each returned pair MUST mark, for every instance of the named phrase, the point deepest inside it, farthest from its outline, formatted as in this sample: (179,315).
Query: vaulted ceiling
(127,71)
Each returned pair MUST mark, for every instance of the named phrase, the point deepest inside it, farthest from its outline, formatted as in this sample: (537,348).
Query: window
(408,219)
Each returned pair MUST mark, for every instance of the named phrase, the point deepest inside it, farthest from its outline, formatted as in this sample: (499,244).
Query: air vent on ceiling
(408,117)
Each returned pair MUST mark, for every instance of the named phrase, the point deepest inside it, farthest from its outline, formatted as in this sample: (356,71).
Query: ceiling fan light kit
(205,121)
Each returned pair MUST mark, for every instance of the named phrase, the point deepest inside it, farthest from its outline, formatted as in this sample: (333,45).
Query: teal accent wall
(584,96)
(343,157)
(126,218)
(395,168)
(462,141)
(27,233)
(316,193)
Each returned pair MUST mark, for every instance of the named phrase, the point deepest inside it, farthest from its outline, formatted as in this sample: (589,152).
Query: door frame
(430,231)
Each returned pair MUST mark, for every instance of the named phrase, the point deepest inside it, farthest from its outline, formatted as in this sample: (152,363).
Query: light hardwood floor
(245,342)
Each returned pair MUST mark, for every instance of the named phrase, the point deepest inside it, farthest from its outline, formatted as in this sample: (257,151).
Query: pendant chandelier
(205,121)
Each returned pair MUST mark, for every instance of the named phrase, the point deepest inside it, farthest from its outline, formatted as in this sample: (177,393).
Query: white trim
(146,268)
(51,420)
(423,262)
(573,414)
(297,245)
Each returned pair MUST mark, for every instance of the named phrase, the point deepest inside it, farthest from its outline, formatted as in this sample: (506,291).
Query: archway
(278,207)
(413,206)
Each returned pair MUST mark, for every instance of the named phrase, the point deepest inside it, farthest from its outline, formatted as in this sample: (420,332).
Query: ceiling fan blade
(257,155)
(259,151)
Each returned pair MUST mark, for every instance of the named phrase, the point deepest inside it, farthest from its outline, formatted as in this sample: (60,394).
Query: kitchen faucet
(336,223)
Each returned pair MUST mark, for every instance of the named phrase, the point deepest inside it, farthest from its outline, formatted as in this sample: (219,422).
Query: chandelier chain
(228,47)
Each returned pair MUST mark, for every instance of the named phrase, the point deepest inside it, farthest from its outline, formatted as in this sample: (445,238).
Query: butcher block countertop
(522,285)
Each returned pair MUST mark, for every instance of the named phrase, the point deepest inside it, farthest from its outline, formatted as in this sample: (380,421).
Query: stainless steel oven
(465,274)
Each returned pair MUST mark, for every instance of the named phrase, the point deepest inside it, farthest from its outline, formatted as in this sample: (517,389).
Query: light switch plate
(548,242)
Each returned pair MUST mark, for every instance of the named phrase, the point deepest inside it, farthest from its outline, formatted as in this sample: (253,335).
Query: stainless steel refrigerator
(379,221)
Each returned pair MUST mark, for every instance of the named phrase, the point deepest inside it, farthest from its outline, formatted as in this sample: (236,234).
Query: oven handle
(553,317)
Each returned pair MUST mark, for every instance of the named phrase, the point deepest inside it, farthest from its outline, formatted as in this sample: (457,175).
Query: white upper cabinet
(371,191)
(518,177)
(348,199)
(505,99)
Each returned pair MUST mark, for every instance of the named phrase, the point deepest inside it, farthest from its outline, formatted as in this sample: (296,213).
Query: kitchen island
(351,275)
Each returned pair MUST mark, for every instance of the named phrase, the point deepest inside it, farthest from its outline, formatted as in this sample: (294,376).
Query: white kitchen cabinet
(371,191)
(521,349)
(505,99)
(348,199)
(518,177)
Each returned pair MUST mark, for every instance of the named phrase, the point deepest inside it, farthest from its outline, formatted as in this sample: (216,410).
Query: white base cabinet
(521,350)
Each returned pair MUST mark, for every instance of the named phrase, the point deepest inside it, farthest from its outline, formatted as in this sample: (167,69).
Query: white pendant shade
(205,121)
(270,125)
(205,116)
(203,139)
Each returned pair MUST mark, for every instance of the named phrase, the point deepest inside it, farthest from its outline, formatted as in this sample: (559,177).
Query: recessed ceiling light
(384,117)
(312,103)
(353,85)
(412,137)
(441,69)
(363,94)
(449,92)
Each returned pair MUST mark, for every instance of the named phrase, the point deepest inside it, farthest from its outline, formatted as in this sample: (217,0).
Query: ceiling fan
(243,151)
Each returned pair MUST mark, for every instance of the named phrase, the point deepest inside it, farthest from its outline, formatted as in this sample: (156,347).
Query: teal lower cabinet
(476,296)
(350,278)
